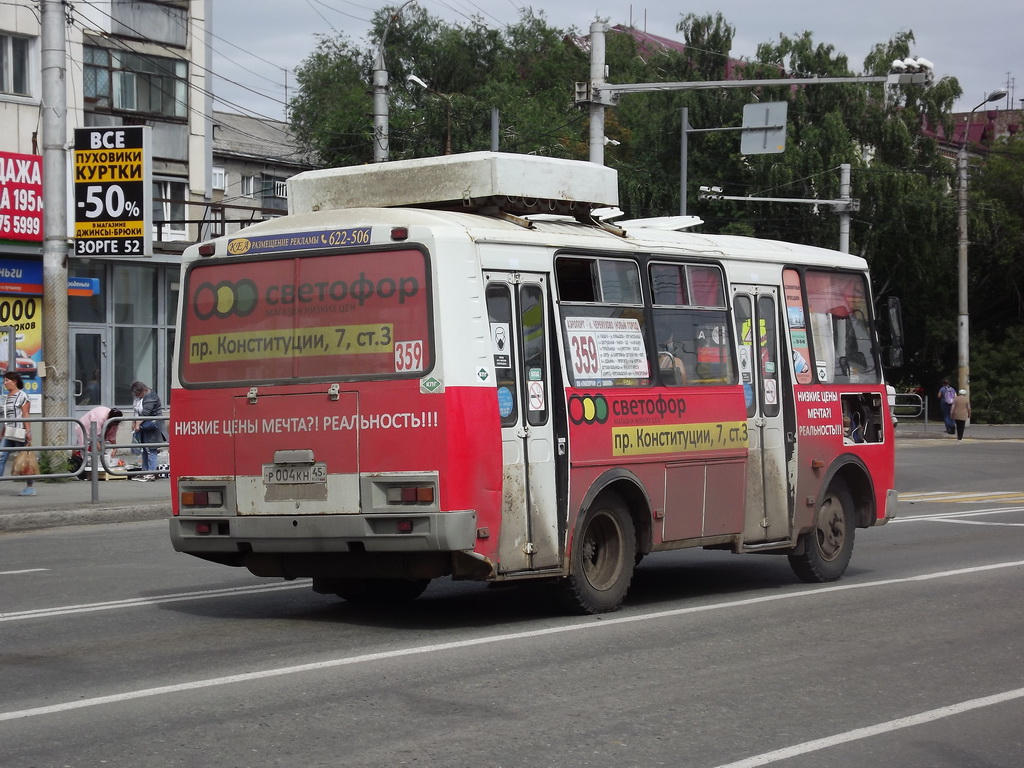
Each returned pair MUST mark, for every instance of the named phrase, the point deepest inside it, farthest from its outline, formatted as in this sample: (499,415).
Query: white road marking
(135,602)
(585,625)
(25,570)
(956,517)
(875,730)
(961,497)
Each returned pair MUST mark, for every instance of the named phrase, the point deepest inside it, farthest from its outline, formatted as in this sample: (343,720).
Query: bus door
(517,308)
(757,323)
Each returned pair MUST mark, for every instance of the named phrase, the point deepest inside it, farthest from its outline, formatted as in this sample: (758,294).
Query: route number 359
(584,355)
(408,356)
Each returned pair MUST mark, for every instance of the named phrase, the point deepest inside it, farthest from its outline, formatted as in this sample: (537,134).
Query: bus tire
(827,548)
(379,591)
(602,560)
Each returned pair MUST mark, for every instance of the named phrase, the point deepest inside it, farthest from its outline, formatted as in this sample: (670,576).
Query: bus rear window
(336,316)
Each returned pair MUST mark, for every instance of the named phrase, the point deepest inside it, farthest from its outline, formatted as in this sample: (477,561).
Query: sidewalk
(69,502)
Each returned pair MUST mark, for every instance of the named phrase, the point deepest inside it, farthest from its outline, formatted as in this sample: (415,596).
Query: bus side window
(499,316)
(844,352)
(691,324)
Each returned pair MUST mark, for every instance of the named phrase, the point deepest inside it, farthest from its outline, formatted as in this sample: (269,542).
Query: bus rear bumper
(417,532)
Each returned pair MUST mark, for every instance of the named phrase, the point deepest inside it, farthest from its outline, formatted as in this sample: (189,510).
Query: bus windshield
(336,316)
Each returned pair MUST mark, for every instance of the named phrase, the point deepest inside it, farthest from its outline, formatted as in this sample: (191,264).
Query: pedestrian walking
(946,397)
(16,433)
(961,412)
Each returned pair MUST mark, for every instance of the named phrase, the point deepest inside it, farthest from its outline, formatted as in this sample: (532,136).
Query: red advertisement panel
(21,197)
(349,315)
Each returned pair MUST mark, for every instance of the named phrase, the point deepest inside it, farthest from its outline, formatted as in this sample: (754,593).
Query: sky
(259,43)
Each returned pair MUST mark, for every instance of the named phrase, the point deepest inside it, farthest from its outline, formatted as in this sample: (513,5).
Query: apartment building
(128,63)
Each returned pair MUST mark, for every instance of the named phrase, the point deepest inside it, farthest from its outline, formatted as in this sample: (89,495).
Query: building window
(169,202)
(132,82)
(218,178)
(275,193)
(214,223)
(14,65)
(248,186)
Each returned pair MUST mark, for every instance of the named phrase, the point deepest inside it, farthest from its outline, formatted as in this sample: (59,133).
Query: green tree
(996,282)
(525,71)
(906,225)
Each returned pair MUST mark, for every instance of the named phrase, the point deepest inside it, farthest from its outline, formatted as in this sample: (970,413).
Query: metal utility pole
(963,336)
(599,93)
(844,206)
(55,220)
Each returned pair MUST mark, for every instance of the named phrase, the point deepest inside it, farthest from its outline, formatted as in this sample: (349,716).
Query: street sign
(764,128)
(113,192)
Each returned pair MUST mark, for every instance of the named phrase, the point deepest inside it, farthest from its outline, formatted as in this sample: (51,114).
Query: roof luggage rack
(483,182)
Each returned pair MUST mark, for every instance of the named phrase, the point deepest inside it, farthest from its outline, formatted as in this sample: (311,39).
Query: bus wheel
(602,560)
(379,591)
(828,547)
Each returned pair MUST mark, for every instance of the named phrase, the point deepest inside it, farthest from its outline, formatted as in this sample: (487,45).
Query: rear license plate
(294,474)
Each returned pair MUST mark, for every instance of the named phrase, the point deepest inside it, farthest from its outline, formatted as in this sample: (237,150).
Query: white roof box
(516,184)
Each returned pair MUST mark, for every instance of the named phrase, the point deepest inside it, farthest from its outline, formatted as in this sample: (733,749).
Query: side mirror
(895,321)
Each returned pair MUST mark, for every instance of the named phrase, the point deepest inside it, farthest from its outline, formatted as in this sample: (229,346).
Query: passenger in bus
(673,372)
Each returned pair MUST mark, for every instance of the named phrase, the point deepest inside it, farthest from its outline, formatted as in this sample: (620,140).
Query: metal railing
(910,405)
(93,450)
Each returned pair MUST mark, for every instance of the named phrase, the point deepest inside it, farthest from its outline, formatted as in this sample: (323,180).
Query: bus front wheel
(827,548)
(602,559)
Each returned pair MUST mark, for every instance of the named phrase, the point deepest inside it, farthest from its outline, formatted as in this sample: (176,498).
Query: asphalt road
(118,652)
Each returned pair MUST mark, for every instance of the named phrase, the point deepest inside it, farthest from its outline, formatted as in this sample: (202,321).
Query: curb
(13,522)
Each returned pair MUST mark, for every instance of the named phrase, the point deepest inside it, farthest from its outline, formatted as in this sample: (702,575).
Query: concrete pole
(963,318)
(380,108)
(55,220)
(597,68)
(684,149)
(844,212)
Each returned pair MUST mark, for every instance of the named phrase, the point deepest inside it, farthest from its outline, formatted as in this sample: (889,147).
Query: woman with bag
(16,433)
(148,408)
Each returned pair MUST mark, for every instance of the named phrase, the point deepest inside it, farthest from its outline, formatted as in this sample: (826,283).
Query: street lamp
(963,336)
(447,109)
(380,93)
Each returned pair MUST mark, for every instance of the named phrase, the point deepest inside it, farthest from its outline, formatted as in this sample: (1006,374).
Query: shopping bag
(26,463)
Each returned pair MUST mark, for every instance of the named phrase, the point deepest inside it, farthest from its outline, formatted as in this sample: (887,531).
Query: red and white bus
(449,367)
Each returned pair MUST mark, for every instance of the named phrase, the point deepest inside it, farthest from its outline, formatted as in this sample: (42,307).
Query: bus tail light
(202,499)
(410,494)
